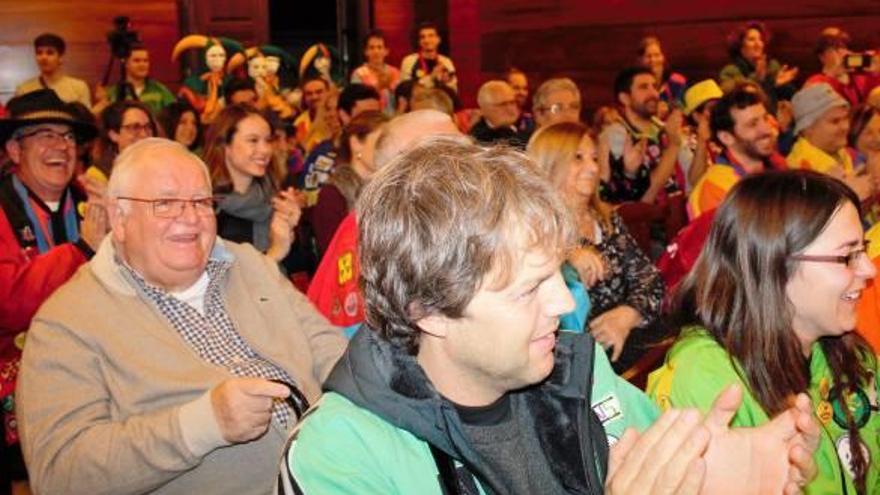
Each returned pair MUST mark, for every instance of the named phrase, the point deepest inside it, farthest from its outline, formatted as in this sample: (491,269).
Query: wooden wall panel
(395,18)
(84,26)
(246,21)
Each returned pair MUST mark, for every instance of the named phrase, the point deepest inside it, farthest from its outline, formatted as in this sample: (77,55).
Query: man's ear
(624,98)
(726,138)
(116,216)
(432,324)
(13,150)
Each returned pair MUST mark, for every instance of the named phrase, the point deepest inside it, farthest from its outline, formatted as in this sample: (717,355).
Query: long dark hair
(737,290)
(169,119)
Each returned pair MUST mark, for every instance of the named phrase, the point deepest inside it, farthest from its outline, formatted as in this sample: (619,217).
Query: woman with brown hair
(354,167)
(670,85)
(625,289)
(121,124)
(251,206)
(771,305)
(747,47)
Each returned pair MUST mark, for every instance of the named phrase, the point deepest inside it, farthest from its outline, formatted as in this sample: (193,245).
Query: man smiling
(157,368)
(43,240)
(459,381)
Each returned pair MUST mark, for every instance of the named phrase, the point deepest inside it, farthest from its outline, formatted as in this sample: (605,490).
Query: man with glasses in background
(556,100)
(43,238)
(500,113)
(174,362)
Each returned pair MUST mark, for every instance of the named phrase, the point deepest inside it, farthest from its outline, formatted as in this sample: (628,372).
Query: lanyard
(67,209)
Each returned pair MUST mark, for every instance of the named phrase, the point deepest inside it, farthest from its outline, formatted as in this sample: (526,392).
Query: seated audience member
(355,99)
(171,375)
(643,152)
(323,141)
(625,288)
(771,305)
(460,378)
(497,103)
(431,98)
(517,80)
(43,240)
(402,96)
(122,124)
(338,195)
(49,51)
(556,100)
(334,289)
(428,66)
(241,90)
(822,125)
(864,137)
(670,85)
(252,207)
(699,100)
(832,48)
(377,74)
(314,89)
(747,47)
(180,123)
(139,85)
(741,125)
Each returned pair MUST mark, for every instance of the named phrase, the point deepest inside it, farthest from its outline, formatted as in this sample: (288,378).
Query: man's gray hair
(125,163)
(489,91)
(539,100)
(397,136)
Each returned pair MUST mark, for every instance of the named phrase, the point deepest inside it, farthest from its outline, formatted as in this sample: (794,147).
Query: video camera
(859,61)
(122,38)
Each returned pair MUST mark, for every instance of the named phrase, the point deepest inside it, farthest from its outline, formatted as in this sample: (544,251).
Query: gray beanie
(812,102)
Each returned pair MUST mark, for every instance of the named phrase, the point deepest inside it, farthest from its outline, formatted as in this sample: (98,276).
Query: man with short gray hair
(174,361)
(556,100)
(497,102)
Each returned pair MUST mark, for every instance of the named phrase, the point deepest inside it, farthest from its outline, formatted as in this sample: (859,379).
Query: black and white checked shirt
(212,334)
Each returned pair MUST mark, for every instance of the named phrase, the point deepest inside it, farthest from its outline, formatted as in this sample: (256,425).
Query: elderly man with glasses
(500,114)
(43,237)
(174,362)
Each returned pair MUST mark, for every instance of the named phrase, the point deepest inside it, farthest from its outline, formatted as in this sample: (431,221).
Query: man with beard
(642,163)
(741,124)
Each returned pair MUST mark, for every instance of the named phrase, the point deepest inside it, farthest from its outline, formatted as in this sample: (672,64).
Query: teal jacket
(370,432)
(697,369)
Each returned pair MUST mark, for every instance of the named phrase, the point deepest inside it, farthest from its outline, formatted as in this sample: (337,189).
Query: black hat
(42,107)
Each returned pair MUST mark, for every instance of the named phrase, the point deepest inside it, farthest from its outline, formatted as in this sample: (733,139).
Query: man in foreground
(459,382)
(164,364)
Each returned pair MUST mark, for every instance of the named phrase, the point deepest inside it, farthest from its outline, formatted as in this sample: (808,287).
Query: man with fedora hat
(43,238)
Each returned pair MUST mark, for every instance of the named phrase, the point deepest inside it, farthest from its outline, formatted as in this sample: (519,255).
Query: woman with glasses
(122,124)
(246,179)
(771,305)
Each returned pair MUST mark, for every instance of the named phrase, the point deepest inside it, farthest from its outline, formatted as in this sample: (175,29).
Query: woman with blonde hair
(624,287)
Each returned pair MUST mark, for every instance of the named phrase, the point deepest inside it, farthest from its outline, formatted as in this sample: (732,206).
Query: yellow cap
(700,93)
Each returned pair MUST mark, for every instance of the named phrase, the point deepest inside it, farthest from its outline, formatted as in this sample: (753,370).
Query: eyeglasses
(851,259)
(138,128)
(558,108)
(508,103)
(48,136)
(174,207)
